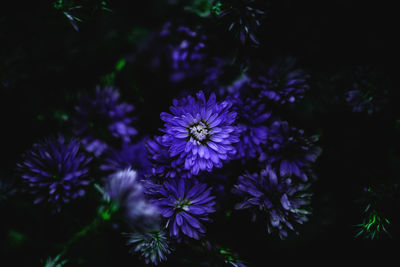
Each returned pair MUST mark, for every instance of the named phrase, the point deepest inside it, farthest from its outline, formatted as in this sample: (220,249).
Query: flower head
(283,200)
(125,189)
(55,170)
(281,83)
(290,151)
(200,132)
(185,204)
(101,118)
(153,245)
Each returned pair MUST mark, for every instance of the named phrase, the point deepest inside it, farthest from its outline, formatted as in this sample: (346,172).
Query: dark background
(44,63)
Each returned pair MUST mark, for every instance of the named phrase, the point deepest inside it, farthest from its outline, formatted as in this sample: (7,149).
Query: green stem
(93,225)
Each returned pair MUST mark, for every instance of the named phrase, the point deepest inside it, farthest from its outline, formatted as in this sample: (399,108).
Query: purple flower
(55,170)
(200,133)
(101,118)
(125,189)
(281,83)
(289,151)
(284,201)
(129,156)
(185,204)
(369,90)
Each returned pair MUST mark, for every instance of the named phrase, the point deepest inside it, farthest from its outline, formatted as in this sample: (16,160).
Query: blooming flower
(55,170)
(102,118)
(284,200)
(200,132)
(290,151)
(129,156)
(185,203)
(152,245)
(125,189)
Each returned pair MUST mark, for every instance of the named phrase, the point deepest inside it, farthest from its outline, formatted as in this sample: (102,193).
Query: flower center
(182,204)
(199,131)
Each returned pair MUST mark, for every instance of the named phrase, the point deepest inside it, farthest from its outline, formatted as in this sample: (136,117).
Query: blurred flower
(185,203)
(129,156)
(200,132)
(55,170)
(153,246)
(283,200)
(242,16)
(369,91)
(177,51)
(125,189)
(289,151)
(281,83)
(102,117)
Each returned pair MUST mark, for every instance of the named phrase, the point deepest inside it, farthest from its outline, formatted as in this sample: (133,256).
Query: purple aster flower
(366,98)
(101,118)
(55,170)
(162,163)
(125,189)
(129,156)
(281,83)
(185,204)
(200,133)
(153,245)
(283,200)
(290,151)
(359,101)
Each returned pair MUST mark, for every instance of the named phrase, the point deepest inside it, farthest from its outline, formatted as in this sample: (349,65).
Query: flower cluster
(229,136)
(55,170)
(282,200)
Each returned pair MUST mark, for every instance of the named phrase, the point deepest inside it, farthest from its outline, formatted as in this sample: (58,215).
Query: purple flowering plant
(225,144)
